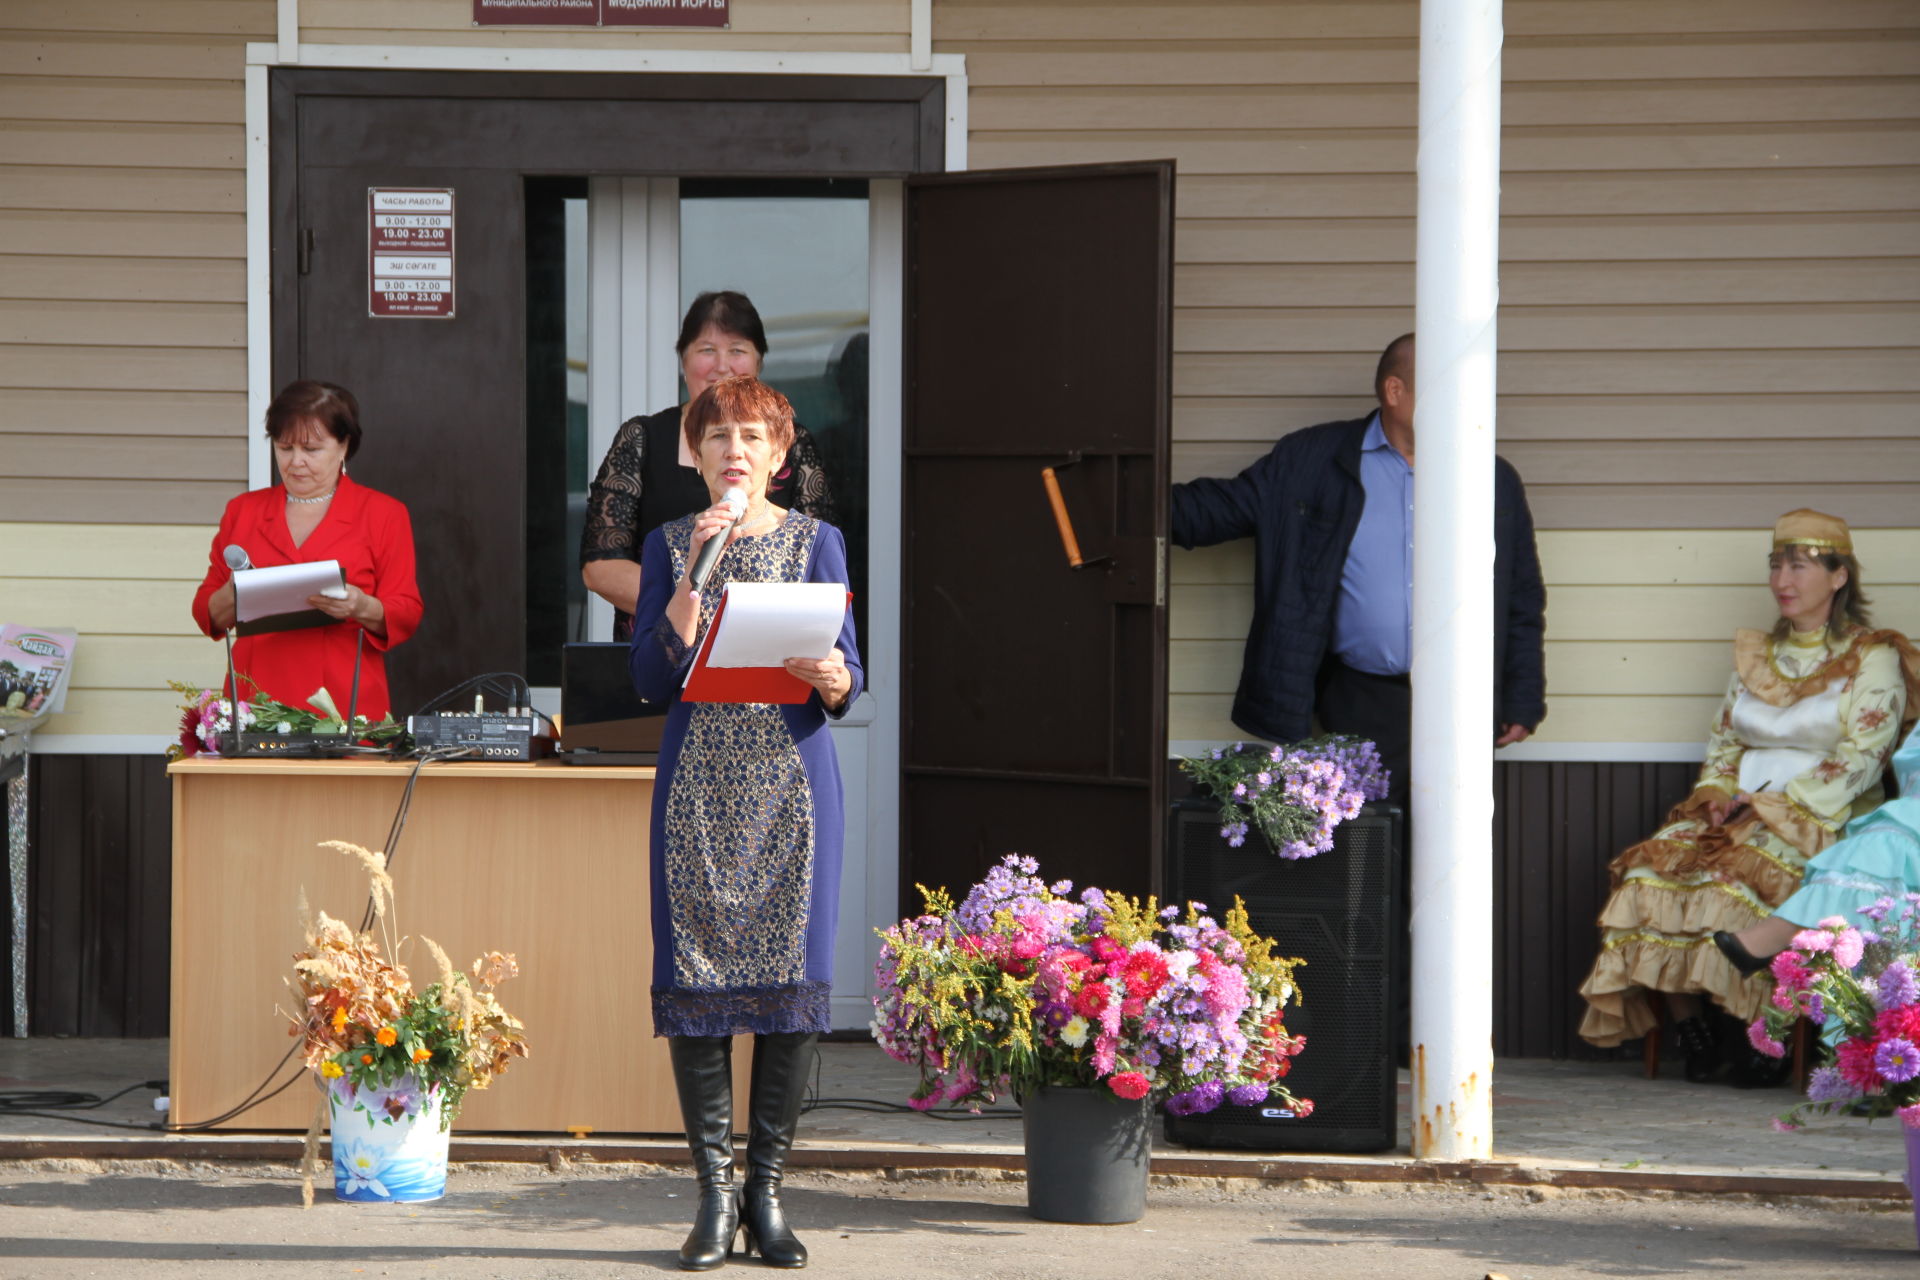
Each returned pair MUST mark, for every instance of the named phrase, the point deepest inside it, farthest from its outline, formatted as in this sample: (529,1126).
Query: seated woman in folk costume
(1811,716)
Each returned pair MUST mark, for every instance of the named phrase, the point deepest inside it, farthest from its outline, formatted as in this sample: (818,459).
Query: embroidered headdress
(1815,529)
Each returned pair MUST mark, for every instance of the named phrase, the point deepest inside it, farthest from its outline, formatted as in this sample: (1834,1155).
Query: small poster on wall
(34,665)
(410,252)
(600,13)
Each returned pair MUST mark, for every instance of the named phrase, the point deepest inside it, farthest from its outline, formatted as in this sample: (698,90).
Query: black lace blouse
(641,486)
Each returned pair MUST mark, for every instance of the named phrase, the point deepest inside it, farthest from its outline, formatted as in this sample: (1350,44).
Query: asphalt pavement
(162,1221)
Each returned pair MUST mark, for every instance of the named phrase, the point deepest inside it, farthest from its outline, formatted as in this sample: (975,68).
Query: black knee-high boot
(703,1077)
(780,1067)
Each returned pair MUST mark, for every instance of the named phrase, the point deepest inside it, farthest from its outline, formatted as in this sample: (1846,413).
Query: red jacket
(371,536)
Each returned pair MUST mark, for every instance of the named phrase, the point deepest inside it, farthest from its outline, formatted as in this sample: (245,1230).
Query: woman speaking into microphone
(747,824)
(317,513)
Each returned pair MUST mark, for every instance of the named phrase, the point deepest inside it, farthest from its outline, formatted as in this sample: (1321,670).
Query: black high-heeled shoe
(1702,1047)
(1737,954)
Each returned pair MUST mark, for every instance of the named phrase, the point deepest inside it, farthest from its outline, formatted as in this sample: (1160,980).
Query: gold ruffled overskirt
(1671,892)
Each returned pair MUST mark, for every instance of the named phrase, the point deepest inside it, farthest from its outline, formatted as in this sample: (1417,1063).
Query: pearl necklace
(322,498)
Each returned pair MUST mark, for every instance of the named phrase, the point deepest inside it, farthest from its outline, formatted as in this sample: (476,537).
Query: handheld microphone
(236,557)
(736,500)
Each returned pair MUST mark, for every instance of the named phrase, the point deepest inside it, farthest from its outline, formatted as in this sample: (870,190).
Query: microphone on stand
(736,500)
(236,557)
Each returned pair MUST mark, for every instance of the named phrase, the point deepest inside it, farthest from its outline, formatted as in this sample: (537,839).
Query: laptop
(602,720)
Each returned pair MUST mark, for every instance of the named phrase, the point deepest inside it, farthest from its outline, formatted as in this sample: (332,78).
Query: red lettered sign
(410,252)
(600,13)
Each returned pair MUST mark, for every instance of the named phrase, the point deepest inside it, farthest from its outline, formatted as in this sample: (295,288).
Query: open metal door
(1039,335)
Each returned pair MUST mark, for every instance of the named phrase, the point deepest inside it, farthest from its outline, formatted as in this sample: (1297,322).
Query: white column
(1457,292)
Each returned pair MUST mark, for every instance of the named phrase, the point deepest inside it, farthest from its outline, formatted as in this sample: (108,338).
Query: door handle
(1068,542)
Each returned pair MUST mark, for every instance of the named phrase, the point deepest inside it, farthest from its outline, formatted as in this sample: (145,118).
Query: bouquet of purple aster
(1294,795)
(1025,984)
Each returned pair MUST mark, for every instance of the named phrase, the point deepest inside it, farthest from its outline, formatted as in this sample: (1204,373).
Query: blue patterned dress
(747,809)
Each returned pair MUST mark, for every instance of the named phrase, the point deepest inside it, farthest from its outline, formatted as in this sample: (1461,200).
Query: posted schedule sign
(410,252)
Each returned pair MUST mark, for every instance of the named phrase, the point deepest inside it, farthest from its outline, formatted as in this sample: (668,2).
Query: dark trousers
(1380,709)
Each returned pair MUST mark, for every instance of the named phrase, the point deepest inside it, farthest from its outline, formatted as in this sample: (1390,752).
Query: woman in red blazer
(317,513)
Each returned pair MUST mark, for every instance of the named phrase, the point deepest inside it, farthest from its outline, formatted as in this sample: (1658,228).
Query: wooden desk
(546,861)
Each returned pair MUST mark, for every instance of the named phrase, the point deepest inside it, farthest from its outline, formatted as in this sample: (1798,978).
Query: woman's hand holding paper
(827,675)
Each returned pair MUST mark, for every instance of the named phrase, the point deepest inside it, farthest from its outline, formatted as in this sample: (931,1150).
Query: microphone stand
(353,698)
(233,693)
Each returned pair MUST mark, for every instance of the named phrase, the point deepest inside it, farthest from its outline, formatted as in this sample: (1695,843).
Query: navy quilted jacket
(1301,504)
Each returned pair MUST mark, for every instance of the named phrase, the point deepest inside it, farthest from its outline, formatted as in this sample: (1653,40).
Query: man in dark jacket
(1330,509)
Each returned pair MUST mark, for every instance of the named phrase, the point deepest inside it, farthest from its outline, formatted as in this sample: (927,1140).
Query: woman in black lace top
(646,480)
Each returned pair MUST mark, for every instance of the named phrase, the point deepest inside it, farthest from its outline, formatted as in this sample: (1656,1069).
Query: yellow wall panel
(120,712)
(128,590)
(113,552)
(102,605)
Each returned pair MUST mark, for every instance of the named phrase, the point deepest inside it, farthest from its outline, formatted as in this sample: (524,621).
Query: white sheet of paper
(768,622)
(284,588)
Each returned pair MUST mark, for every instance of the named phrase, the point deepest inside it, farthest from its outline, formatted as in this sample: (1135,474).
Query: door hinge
(306,250)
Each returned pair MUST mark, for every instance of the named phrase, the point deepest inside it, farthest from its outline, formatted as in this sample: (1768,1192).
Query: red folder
(740,684)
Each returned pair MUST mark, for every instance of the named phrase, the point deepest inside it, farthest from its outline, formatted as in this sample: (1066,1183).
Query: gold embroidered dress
(1806,730)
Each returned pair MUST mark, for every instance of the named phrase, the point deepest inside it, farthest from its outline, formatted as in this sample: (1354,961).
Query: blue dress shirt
(1373,622)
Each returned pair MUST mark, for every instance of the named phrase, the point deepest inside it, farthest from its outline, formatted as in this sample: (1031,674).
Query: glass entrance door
(821,262)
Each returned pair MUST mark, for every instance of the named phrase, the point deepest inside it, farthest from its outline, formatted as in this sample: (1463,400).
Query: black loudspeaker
(1340,912)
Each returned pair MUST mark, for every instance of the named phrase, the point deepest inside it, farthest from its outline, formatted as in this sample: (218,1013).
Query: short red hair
(741,400)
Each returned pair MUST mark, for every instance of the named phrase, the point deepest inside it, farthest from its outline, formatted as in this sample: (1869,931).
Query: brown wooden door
(1038,334)
(441,400)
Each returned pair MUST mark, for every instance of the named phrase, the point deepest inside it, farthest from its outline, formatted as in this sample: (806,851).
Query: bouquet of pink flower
(1866,986)
(1022,985)
(205,718)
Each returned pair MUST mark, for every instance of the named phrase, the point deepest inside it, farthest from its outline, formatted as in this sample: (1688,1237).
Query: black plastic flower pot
(1088,1153)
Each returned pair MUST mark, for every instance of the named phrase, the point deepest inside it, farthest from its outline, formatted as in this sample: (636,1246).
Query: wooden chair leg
(1650,1047)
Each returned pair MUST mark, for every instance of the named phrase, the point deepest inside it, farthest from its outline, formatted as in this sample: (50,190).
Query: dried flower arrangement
(378,1046)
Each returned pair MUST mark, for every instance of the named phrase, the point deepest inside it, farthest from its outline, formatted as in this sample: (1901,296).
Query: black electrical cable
(399,824)
(878,1107)
(814,1102)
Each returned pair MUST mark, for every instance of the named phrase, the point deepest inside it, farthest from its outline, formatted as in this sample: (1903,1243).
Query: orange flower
(366,1059)
(386,1035)
(421,1055)
(339,1019)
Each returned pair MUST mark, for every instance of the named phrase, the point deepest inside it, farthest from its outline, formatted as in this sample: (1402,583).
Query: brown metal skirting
(1280,1169)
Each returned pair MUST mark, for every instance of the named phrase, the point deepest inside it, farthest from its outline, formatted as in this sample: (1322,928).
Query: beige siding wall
(1711,286)
(122,303)
(122,332)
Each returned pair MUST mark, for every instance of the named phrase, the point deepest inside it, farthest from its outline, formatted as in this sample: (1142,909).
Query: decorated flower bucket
(1087,1155)
(388,1146)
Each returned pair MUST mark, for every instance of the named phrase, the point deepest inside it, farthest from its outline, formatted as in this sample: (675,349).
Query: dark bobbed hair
(727,311)
(1848,608)
(740,400)
(329,406)
(1395,362)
